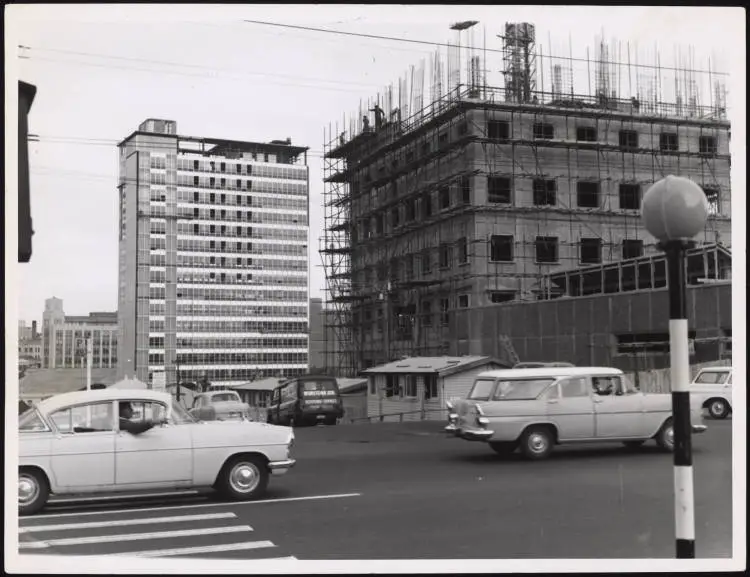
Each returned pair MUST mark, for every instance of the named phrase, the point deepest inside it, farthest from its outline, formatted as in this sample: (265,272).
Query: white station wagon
(79,443)
(536,409)
(712,387)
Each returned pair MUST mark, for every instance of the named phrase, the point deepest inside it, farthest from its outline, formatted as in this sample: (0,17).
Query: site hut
(257,393)
(353,397)
(418,388)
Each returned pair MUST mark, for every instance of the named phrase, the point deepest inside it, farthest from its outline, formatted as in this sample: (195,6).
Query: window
(482,389)
(574,387)
(586,134)
(501,248)
(544,131)
(520,389)
(630,196)
(212,182)
(445,197)
(463,251)
(147,411)
(427,205)
(430,386)
(426,261)
(591,251)
(223,166)
(604,386)
(391,385)
(546,249)
(443,139)
(632,248)
(629,139)
(668,142)
(445,255)
(588,194)
(498,190)
(238,168)
(30,421)
(373,386)
(196,197)
(707,145)
(426,313)
(444,309)
(712,377)
(502,296)
(411,386)
(91,418)
(195,181)
(545,192)
(465,185)
(714,205)
(394,217)
(249,169)
(498,130)
(223,183)
(463,301)
(195,165)
(212,197)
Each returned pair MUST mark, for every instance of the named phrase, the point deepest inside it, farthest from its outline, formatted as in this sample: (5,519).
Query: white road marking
(196,550)
(125,522)
(197,506)
(130,537)
(120,497)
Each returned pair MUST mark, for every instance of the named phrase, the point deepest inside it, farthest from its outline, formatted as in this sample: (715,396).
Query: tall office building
(213,257)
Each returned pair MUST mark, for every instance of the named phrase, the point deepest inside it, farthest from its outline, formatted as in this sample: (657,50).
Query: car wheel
(633,444)
(33,491)
(718,408)
(665,436)
(330,421)
(537,443)
(503,447)
(244,478)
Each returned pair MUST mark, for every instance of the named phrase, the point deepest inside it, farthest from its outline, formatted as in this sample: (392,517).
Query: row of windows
(234,184)
(241,216)
(254,200)
(500,130)
(235,358)
(188,375)
(198,245)
(229,294)
(246,310)
(184,260)
(239,168)
(232,231)
(225,326)
(156,342)
(183,276)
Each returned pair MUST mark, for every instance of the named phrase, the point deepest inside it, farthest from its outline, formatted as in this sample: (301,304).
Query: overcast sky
(101,70)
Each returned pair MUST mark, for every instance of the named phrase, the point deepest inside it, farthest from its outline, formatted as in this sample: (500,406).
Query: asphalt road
(404,491)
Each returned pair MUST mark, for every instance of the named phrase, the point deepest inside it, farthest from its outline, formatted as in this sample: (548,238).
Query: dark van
(306,400)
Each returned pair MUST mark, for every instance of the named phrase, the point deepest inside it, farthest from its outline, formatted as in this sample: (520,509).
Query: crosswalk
(141,533)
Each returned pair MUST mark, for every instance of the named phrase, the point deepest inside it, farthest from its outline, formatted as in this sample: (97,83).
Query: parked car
(712,389)
(73,443)
(536,409)
(219,406)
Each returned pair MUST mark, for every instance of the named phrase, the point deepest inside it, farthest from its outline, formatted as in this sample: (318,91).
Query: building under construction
(481,195)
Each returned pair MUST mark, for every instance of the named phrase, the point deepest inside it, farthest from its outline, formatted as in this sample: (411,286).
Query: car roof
(716,370)
(63,400)
(550,372)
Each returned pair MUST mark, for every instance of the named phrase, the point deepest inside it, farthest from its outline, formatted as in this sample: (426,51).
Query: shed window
(411,386)
(430,386)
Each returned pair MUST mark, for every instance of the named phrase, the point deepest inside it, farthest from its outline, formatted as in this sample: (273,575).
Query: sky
(100,70)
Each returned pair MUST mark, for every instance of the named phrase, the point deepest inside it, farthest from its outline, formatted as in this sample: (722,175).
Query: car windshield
(225,398)
(179,415)
(520,389)
(321,388)
(482,389)
(712,378)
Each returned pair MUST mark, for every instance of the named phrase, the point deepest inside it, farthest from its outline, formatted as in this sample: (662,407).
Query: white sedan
(129,440)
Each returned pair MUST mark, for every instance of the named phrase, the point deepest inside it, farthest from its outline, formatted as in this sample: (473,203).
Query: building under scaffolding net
(433,209)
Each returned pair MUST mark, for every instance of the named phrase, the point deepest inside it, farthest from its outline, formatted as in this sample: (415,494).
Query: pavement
(405,491)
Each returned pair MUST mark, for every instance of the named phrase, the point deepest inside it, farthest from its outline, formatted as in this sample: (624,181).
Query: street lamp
(674,211)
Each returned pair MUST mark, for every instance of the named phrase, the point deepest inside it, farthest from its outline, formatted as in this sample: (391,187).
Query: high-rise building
(213,256)
(63,338)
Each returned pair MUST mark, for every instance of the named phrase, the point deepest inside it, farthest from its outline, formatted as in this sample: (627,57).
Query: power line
(444,44)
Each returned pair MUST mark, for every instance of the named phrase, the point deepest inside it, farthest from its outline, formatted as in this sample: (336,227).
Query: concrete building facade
(213,256)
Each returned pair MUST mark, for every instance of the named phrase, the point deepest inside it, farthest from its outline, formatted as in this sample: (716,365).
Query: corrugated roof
(440,365)
(267,384)
(348,385)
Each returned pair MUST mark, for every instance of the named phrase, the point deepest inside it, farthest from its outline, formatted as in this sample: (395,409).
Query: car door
(618,410)
(83,450)
(572,409)
(162,456)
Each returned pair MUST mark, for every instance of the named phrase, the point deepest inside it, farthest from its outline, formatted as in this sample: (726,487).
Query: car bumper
(281,467)
(699,428)
(469,434)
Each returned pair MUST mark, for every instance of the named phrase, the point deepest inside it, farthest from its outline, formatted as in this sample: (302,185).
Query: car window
(712,378)
(89,418)
(552,392)
(147,411)
(729,380)
(31,422)
(179,415)
(224,398)
(607,386)
(482,389)
(574,388)
(520,389)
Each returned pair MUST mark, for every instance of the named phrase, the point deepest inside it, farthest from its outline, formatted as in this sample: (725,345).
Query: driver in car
(127,424)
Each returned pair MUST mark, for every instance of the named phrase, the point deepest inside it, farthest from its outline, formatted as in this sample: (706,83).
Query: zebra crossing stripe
(124,522)
(200,550)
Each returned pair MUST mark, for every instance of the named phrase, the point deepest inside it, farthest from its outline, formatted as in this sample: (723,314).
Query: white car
(536,409)
(712,387)
(219,406)
(73,443)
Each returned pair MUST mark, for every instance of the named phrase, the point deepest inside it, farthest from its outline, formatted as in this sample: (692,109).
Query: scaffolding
(417,193)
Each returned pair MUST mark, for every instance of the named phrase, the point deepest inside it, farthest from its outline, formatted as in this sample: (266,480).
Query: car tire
(665,436)
(244,478)
(537,443)
(718,408)
(35,489)
(330,421)
(633,444)
(503,447)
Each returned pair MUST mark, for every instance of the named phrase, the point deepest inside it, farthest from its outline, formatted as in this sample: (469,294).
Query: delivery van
(306,400)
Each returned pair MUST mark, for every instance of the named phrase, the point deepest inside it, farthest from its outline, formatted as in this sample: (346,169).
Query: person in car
(127,424)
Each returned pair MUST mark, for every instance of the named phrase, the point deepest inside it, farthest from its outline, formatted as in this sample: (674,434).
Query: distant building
(30,350)
(213,244)
(324,339)
(62,338)
(25,333)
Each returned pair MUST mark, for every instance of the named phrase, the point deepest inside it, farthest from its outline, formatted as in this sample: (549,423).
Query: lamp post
(674,211)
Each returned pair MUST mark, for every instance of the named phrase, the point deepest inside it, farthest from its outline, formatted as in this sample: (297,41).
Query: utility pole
(89,360)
